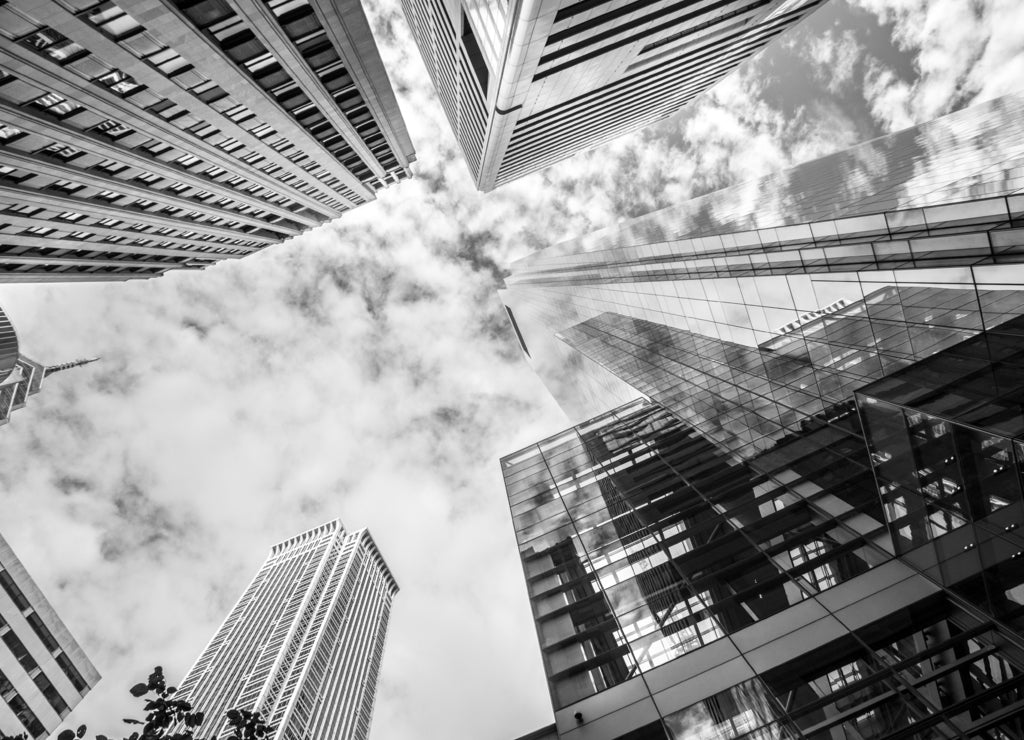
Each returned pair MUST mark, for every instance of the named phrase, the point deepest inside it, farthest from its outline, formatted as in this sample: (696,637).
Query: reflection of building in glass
(304,643)
(43,671)
(681,594)
(148,135)
(21,377)
(526,85)
(808,528)
(933,206)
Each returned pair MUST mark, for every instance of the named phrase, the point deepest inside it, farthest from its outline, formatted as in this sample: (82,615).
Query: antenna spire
(51,369)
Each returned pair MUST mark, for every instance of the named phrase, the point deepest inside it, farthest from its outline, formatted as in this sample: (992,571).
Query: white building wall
(21,623)
(303,644)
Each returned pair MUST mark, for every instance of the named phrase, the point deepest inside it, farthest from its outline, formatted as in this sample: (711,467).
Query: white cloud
(965,52)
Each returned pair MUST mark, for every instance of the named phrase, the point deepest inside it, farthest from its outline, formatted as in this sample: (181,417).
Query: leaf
(80,731)
(139,689)
(102,737)
(66,735)
(127,722)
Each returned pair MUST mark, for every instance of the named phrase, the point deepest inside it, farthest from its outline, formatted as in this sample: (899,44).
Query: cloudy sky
(365,371)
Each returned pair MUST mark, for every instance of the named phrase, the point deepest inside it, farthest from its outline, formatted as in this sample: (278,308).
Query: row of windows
(49,42)
(41,630)
(17,704)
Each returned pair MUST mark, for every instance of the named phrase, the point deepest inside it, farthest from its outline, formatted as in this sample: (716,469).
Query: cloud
(964,53)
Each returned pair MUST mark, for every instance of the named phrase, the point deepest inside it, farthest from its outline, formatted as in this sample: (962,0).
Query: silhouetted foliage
(164,713)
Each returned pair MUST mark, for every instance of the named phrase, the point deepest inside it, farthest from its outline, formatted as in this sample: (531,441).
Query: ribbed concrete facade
(43,671)
(151,135)
(304,643)
(527,84)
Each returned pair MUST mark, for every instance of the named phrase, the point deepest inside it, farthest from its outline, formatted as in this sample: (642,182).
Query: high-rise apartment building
(304,643)
(43,671)
(528,84)
(149,135)
(808,526)
(21,377)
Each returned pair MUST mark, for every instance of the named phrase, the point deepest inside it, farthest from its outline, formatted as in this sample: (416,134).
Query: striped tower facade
(304,643)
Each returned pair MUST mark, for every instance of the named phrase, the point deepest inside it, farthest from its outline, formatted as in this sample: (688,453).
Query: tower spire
(51,369)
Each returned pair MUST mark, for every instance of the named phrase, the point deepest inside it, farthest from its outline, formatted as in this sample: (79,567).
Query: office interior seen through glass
(142,136)
(808,527)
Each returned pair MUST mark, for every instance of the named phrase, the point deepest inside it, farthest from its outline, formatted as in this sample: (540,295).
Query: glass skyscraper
(937,206)
(802,520)
(304,643)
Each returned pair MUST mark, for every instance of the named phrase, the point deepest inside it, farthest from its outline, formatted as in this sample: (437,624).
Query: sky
(365,371)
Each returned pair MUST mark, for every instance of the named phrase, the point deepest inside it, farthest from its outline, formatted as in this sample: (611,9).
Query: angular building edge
(47,613)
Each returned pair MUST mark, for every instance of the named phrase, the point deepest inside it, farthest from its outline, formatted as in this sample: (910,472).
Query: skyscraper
(149,135)
(528,84)
(43,671)
(934,206)
(21,377)
(807,525)
(304,643)
(680,594)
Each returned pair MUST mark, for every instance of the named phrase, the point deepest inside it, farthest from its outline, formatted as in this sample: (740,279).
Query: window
(113,129)
(119,82)
(111,166)
(67,186)
(9,133)
(53,44)
(56,105)
(112,20)
(8,585)
(28,719)
(476,57)
(72,673)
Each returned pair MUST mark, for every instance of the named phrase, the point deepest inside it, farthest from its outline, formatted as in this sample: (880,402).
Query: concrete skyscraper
(527,84)
(43,671)
(20,377)
(304,643)
(150,135)
(808,525)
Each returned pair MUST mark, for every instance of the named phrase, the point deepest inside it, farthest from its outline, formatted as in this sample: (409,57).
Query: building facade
(43,671)
(527,84)
(149,135)
(802,521)
(768,264)
(304,643)
(680,594)
(21,377)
